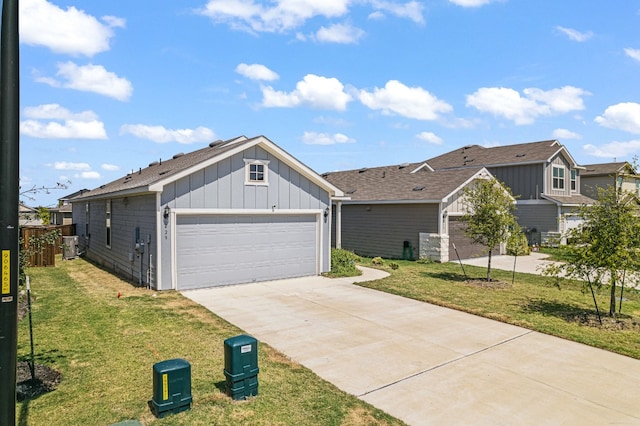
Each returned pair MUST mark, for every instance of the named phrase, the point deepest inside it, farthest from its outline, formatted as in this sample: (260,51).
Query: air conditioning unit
(70,247)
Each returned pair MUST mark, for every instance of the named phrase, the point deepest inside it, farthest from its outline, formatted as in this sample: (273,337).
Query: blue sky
(108,87)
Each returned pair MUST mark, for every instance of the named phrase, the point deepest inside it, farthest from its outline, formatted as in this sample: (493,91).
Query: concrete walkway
(533,263)
(429,365)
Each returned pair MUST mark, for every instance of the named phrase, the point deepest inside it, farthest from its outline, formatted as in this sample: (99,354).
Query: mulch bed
(46,380)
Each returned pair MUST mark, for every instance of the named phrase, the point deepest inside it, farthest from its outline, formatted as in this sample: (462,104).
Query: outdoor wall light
(326,212)
(166,212)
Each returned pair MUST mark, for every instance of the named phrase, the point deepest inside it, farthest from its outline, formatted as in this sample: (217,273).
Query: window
(558,177)
(256,172)
(574,180)
(108,222)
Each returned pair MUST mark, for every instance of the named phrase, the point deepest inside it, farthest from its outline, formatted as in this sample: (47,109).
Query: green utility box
(171,387)
(241,366)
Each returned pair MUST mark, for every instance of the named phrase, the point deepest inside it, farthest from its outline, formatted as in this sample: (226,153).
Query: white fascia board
(393,202)
(424,165)
(573,162)
(140,190)
(194,212)
(533,202)
(345,198)
(159,185)
(298,166)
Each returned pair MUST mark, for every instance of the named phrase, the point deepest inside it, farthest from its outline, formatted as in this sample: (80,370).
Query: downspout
(338,224)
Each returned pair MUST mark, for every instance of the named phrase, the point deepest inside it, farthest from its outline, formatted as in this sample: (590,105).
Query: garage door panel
(213,250)
(466,249)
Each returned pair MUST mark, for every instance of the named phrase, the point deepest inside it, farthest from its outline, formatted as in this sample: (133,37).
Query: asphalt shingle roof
(163,169)
(397,183)
(604,169)
(476,155)
(575,199)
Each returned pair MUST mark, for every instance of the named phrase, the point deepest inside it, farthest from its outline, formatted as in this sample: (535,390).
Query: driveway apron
(429,365)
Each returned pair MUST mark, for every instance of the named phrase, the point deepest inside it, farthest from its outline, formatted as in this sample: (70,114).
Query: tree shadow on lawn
(446,276)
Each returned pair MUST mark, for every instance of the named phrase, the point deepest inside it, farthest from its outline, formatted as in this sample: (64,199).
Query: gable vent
(178,155)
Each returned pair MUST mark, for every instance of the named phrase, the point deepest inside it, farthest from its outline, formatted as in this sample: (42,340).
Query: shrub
(517,245)
(394,265)
(343,263)
(377,261)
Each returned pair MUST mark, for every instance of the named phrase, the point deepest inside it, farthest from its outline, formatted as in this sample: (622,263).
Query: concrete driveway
(429,365)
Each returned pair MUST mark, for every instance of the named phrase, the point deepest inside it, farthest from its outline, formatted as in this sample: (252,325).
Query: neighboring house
(28,216)
(405,211)
(62,214)
(620,175)
(543,176)
(237,211)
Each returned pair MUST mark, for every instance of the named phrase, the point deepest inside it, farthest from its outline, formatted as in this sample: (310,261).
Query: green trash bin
(241,366)
(171,387)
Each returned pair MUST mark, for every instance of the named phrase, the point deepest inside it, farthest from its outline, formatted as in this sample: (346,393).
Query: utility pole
(9,189)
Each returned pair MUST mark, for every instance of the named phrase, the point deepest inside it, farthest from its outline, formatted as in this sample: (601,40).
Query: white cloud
(339,33)
(508,103)
(161,134)
(87,175)
(257,72)
(314,91)
(575,35)
(410,102)
(633,53)
(624,116)
(91,78)
(411,10)
(565,134)
(69,129)
(430,137)
(69,31)
(614,149)
(57,112)
(110,167)
(285,15)
(313,138)
(63,165)
(471,3)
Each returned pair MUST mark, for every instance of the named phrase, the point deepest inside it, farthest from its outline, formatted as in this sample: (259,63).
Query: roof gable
(608,169)
(157,174)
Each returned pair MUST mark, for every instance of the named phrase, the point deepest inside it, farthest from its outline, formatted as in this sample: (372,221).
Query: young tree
(489,218)
(607,244)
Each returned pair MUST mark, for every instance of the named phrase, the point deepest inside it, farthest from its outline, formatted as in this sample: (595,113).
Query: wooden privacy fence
(46,256)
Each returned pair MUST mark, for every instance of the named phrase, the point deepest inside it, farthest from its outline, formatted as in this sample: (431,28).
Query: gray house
(543,176)
(406,211)
(237,211)
(619,175)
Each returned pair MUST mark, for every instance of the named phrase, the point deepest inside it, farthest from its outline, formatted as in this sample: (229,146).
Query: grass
(532,302)
(105,348)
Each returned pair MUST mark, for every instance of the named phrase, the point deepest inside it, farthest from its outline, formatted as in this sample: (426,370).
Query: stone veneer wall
(434,247)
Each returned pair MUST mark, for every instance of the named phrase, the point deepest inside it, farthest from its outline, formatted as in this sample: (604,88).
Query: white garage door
(214,250)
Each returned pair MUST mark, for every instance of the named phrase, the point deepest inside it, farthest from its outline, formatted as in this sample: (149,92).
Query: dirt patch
(612,324)
(487,284)
(46,380)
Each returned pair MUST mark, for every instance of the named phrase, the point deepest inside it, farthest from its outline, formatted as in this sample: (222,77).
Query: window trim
(87,218)
(558,182)
(107,217)
(265,173)
(573,180)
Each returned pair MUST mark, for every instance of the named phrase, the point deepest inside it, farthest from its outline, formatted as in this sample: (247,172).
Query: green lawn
(105,348)
(532,302)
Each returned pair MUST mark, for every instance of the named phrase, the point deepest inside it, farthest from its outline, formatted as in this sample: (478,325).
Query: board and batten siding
(381,229)
(525,181)
(127,214)
(541,216)
(222,187)
(559,160)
